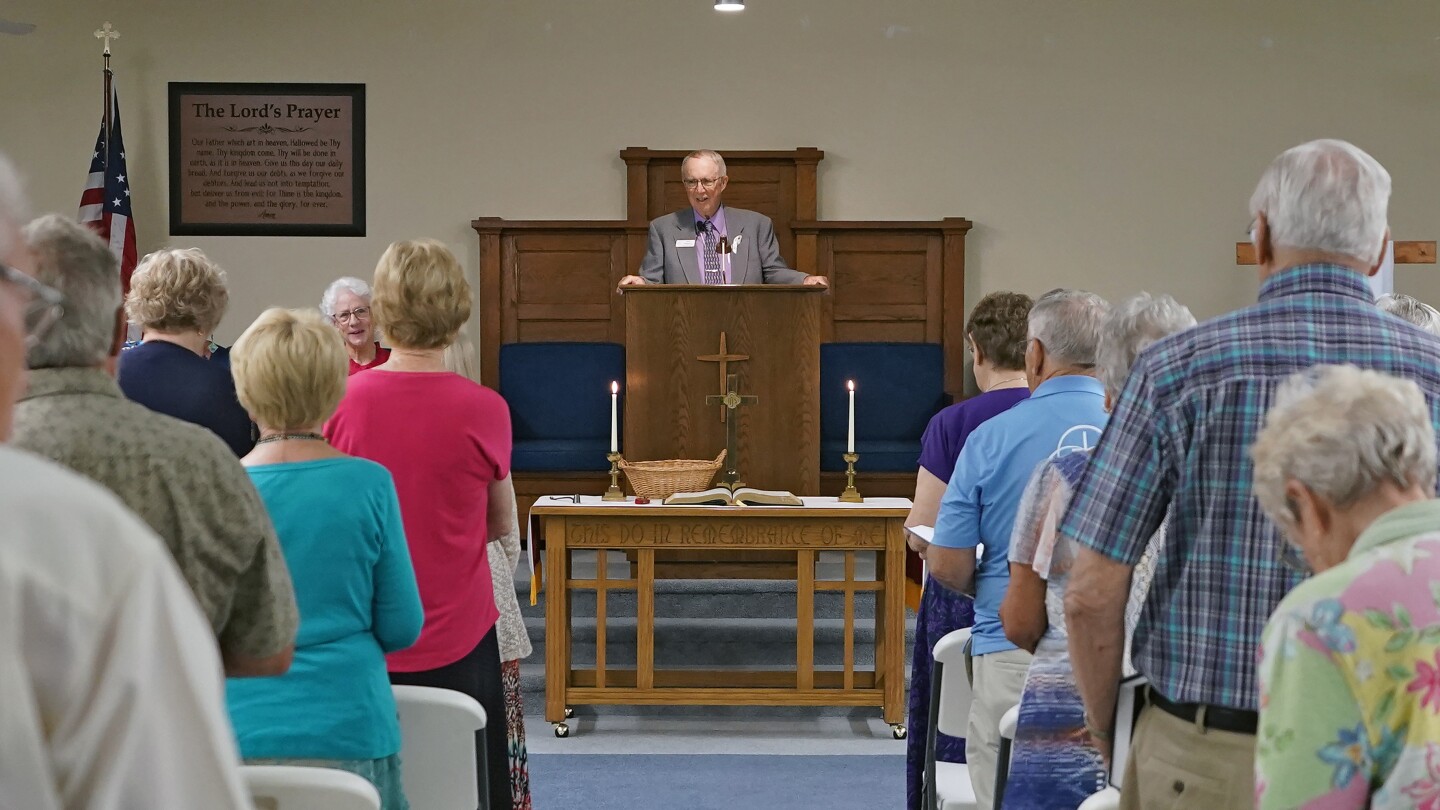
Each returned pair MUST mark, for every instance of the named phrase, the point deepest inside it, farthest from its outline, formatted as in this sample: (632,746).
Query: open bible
(744,496)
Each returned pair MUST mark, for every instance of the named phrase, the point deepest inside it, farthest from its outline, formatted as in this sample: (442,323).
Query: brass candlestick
(613,493)
(850,495)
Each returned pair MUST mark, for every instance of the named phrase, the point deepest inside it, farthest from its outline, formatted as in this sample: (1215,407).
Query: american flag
(105,205)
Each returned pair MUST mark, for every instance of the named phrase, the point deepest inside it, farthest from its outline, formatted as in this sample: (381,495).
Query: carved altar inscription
(778,533)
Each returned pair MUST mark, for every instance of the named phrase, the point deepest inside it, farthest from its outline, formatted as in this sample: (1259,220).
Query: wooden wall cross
(724,360)
(1405,253)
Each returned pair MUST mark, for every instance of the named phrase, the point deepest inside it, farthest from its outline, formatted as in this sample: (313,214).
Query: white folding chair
(947,784)
(1106,799)
(1128,701)
(437,748)
(1008,721)
(290,787)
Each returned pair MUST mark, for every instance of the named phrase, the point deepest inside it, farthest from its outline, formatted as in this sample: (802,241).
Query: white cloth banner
(1383,282)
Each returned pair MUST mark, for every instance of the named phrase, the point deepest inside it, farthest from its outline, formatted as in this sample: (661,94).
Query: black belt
(1220,718)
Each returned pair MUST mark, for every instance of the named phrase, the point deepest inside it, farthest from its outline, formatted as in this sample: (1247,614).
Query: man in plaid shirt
(1177,447)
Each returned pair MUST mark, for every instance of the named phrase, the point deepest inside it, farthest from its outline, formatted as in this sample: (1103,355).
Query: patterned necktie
(713,273)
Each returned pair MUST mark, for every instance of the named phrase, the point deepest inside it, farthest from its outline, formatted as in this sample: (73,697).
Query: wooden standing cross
(731,400)
(724,360)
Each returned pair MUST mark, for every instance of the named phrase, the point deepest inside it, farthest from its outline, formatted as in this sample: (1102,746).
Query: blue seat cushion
(875,456)
(560,455)
(898,387)
(559,397)
(560,390)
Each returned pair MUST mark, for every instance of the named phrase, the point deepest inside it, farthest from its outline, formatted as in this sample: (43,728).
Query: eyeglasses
(706,183)
(358,313)
(43,304)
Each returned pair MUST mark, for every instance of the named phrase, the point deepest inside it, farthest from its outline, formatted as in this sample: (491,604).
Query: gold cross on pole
(724,360)
(107,33)
(732,399)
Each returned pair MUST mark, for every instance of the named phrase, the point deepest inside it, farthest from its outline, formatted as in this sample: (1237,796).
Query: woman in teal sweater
(338,520)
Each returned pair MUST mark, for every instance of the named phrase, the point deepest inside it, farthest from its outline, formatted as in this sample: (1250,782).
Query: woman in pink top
(446,442)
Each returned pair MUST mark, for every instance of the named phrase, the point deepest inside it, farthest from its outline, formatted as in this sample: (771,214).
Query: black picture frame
(178,91)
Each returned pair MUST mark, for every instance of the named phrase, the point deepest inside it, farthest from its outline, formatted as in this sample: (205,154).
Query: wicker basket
(658,480)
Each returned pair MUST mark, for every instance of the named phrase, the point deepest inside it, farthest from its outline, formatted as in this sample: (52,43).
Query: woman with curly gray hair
(178,298)
(1350,659)
(346,303)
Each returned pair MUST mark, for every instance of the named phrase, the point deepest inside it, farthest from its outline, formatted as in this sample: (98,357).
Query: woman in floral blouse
(1350,660)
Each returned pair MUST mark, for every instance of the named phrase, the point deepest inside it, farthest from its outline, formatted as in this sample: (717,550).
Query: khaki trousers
(998,678)
(1178,765)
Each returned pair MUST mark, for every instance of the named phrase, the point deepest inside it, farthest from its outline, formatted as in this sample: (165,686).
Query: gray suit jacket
(756,260)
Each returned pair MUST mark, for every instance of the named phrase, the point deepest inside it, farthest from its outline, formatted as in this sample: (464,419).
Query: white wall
(1110,144)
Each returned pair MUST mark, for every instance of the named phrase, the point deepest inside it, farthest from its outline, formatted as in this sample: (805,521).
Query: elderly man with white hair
(180,478)
(1064,414)
(1350,662)
(1051,764)
(1177,445)
(110,685)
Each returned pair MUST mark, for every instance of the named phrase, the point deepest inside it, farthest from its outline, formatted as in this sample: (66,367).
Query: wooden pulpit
(682,342)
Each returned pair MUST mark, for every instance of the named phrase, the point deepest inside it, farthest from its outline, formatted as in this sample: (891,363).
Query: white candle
(850,440)
(615,416)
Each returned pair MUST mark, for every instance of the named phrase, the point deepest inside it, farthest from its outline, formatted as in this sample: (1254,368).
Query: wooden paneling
(669,327)
(895,281)
(550,331)
(879,332)
(890,281)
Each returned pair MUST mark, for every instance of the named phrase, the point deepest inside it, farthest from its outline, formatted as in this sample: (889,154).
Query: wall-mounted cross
(724,360)
(1405,253)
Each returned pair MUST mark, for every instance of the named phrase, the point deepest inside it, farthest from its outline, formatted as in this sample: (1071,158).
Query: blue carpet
(715,782)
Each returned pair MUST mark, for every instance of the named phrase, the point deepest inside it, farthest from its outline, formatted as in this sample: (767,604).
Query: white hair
(1411,309)
(72,259)
(348,284)
(1342,431)
(1325,195)
(710,154)
(1131,326)
(1067,323)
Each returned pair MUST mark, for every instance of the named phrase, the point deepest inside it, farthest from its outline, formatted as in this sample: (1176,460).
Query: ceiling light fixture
(729,5)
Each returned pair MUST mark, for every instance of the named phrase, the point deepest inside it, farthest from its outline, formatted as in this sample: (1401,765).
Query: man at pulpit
(711,243)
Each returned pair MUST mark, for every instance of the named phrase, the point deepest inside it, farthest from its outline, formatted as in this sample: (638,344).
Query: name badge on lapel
(683,243)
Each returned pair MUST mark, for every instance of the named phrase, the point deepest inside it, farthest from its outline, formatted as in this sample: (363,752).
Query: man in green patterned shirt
(179,478)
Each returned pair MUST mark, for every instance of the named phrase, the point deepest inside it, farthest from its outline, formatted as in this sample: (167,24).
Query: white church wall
(1103,145)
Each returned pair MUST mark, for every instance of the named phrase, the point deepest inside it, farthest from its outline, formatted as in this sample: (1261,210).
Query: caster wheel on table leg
(569,712)
(899,731)
(562,730)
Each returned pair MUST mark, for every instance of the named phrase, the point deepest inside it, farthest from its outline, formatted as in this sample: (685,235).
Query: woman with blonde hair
(178,298)
(338,520)
(446,440)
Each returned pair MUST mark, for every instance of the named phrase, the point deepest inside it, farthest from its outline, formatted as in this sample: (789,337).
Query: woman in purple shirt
(995,336)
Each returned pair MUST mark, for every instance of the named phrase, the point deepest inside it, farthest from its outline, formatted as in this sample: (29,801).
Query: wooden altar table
(822,524)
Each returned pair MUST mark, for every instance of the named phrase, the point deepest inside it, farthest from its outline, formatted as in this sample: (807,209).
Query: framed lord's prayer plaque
(267,159)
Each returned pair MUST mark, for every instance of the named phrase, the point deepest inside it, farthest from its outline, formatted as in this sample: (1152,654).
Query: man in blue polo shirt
(1065,412)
